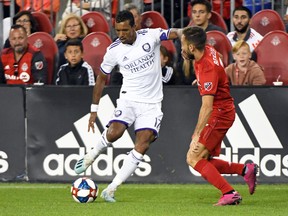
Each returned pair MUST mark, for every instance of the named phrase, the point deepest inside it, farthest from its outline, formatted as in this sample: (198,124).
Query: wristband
(94,107)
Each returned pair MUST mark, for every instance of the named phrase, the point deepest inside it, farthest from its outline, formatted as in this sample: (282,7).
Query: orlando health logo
(113,163)
(266,149)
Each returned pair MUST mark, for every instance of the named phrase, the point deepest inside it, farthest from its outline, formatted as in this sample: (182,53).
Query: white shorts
(143,115)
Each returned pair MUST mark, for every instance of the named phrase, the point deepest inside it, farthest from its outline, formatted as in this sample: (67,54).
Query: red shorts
(216,129)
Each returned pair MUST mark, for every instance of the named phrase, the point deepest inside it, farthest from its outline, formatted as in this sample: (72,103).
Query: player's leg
(122,118)
(130,163)
(248,171)
(147,126)
(109,135)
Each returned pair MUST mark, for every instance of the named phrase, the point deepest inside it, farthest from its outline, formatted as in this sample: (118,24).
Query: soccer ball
(84,190)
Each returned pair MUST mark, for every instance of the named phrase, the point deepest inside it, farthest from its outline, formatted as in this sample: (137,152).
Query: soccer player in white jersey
(138,56)
(241,19)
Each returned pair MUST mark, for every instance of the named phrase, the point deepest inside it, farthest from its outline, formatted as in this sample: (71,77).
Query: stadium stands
(153,19)
(47,45)
(96,22)
(95,45)
(272,54)
(221,43)
(266,21)
(44,24)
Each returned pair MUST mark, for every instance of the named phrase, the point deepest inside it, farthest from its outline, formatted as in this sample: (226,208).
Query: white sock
(101,145)
(130,164)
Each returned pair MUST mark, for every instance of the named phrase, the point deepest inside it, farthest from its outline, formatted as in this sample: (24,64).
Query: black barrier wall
(57,123)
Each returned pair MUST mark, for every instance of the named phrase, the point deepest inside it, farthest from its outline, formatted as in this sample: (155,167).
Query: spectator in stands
(76,71)
(136,13)
(71,27)
(241,19)
(22,63)
(200,15)
(25,19)
(103,6)
(244,71)
(41,6)
(168,74)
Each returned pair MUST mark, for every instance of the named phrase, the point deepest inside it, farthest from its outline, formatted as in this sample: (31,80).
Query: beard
(243,30)
(19,49)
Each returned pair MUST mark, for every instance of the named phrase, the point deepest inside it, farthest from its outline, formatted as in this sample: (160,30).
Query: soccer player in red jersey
(216,116)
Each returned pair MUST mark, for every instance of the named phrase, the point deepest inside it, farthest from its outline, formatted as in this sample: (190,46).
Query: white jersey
(252,39)
(139,64)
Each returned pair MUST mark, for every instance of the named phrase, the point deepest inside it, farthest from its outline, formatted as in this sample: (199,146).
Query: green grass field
(140,199)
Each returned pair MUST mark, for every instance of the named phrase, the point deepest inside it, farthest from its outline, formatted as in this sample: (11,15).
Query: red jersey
(212,79)
(29,69)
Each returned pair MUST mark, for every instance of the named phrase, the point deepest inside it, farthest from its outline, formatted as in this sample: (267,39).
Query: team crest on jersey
(24,67)
(117,113)
(39,65)
(146,47)
(208,86)
(7,67)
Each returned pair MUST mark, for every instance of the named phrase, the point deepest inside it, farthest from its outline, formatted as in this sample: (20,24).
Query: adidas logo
(243,149)
(113,162)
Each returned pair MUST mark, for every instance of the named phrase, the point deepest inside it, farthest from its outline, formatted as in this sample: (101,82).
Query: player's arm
(39,68)
(97,93)
(204,114)
(175,33)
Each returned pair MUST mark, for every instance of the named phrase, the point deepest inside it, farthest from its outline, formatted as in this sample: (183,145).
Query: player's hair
(125,15)
(203,2)
(74,42)
(196,36)
(239,44)
(17,26)
(243,8)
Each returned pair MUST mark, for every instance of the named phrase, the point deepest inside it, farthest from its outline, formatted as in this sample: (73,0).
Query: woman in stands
(25,19)
(71,27)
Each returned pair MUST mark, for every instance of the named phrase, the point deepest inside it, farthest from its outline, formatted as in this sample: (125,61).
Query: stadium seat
(95,45)
(47,45)
(266,21)
(44,24)
(221,43)
(153,19)
(96,22)
(218,20)
(271,52)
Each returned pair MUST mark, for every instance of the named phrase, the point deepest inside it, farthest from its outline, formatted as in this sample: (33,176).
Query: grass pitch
(140,199)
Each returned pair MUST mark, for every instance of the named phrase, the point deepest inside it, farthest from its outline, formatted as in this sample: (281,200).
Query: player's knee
(191,159)
(113,134)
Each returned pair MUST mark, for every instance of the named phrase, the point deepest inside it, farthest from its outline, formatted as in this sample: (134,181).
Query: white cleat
(108,195)
(83,164)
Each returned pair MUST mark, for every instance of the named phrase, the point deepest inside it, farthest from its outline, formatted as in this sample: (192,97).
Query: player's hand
(194,145)
(92,119)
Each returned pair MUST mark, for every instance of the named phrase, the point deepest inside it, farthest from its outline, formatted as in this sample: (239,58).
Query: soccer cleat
(83,164)
(108,195)
(229,199)
(250,177)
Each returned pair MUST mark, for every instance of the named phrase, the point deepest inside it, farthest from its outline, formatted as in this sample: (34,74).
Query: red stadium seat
(271,52)
(95,45)
(221,43)
(44,24)
(48,47)
(266,21)
(96,22)
(218,20)
(153,19)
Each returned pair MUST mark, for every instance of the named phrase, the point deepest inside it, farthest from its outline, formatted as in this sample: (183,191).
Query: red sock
(225,167)
(211,174)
